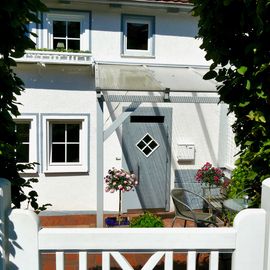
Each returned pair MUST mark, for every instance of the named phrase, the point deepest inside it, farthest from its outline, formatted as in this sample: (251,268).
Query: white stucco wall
(67,89)
(63,191)
(174,38)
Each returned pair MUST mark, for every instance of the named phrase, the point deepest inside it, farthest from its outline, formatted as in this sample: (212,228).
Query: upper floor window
(138,35)
(66,35)
(66,31)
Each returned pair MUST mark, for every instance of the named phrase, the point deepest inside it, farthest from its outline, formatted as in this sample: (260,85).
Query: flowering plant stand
(121,181)
(209,176)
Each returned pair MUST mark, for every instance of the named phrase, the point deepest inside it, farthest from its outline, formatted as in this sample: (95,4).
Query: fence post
(250,233)
(5,205)
(265,204)
(23,234)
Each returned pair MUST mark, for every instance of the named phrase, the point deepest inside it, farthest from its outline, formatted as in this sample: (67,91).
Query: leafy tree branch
(235,38)
(15,15)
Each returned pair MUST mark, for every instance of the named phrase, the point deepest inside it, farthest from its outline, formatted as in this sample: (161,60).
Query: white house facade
(158,118)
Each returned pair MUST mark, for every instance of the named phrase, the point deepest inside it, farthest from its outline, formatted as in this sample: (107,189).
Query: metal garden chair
(184,211)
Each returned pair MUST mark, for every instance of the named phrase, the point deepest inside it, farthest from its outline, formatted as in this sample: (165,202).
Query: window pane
(59,29)
(23,132)
(58,132)
(59,44)
(73,45)
(58,153)
(137,36)
(141,145)
(73,131)
(147,151)
(73,30)
(153,145)
(147,138)
(23,153)
(73,153)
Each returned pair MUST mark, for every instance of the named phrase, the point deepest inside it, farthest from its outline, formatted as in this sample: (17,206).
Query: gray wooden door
(147,151)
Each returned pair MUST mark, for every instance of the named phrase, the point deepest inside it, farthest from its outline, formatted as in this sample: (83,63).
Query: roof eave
(181,6)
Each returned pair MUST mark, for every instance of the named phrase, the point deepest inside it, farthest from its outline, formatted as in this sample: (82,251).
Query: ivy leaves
(234,35)
(14,17)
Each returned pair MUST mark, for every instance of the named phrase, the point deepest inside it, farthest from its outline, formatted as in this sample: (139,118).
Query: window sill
(71,168)
(67,171)
(138,56)
(55,57)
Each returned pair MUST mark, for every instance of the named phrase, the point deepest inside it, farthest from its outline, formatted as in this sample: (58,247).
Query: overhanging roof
(146,78)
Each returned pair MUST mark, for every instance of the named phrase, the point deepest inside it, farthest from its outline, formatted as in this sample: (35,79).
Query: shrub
(146,220)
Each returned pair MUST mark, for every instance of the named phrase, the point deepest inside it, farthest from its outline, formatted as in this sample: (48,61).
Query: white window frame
(147,145)
(32,119)
(149,20)
(82,165)
(82,17)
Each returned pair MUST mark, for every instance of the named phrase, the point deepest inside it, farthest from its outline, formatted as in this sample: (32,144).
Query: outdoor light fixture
(166,96)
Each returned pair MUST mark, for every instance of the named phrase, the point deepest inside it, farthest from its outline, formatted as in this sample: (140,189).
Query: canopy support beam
(100,160)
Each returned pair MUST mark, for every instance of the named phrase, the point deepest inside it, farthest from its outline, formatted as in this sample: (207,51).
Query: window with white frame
(23,149)
(26,128)
(67,31)
(66,35)
(138,35)
(66,141)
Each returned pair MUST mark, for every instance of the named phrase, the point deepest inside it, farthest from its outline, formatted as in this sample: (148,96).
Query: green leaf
(242,70)
(248,84)
(244,104)
(248,143)
(262,119)
(261,95)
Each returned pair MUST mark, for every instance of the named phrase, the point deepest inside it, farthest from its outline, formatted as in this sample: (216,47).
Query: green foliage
(15,38)
(146,220)
(235,38)
(243,178)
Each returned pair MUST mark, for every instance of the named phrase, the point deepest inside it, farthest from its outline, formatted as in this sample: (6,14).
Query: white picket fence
(22,240)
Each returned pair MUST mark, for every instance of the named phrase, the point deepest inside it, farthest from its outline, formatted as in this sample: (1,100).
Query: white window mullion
(65,143)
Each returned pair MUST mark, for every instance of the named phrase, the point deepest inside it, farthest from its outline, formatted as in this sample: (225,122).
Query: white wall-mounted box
(185,151)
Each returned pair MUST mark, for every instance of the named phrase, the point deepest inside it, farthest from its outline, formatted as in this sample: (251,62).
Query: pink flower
(209,175)
(119,180)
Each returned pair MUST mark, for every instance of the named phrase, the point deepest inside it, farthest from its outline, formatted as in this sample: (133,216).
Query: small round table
(235,205)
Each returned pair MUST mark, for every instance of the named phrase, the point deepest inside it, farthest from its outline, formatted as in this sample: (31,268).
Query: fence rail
(247,240)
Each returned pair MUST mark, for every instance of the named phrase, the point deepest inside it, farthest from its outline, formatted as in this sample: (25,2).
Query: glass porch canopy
(151,78)
(137,84)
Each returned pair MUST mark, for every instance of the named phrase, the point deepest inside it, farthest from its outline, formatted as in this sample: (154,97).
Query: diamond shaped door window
(147,145)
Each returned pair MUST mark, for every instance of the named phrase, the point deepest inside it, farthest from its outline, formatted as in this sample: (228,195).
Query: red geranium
(209,175)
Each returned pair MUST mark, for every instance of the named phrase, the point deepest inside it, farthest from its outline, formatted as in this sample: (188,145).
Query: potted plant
(121,181)
(209,176)
(146,220)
